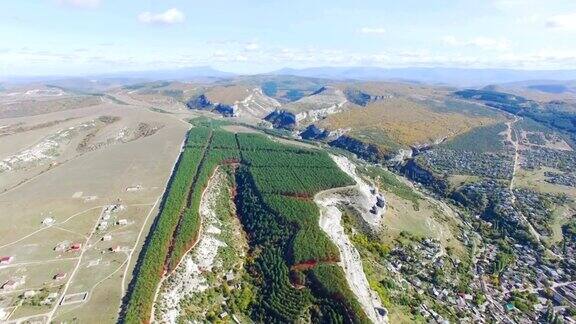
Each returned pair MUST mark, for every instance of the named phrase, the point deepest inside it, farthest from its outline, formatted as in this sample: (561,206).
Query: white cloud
(168,17)
(81,4)
(373,30)
(252,46)
(564,22)
(486,43)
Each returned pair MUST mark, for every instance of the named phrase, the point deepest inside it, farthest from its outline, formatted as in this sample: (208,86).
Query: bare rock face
(314,133)
(282,119)
(402,155)
(369,152)
(415,172)
(256,104)
(200,102)
(361,98)
(226,110)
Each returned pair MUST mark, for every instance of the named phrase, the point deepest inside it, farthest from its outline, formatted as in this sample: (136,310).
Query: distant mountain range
(199,73)
(449,76)
(458,77)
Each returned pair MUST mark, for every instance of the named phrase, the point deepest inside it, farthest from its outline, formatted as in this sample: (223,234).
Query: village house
(6,260)
(229,276)
(75,247)
(62,246)
(60,275)
(9,285)
(103,225)
(48,221)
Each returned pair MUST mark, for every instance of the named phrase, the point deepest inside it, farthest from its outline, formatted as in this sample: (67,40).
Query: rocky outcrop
(200,102)
(282,119)
(312,132)
(361,98)
(417,173)
(256,104)
(226,110)
(402,155)
(317,114)
(368,152)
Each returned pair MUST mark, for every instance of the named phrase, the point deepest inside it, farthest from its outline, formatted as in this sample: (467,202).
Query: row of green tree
(151,264)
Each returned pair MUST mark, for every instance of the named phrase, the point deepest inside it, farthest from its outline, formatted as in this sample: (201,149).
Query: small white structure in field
(9,285)
(62,246)
(122,222)
(134,188)
(29,293)
(229,276)
(13,283)
(48,221)
(93,263)
(106,237)
(103,226)
(90,198)
(3,314)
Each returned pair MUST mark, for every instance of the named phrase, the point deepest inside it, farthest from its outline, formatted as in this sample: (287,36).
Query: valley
(355,202)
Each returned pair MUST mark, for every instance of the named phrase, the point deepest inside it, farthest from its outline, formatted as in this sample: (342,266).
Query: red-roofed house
(6,259)
(75,247)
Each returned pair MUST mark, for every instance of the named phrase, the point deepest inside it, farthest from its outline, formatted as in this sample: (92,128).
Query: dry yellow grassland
(405,122)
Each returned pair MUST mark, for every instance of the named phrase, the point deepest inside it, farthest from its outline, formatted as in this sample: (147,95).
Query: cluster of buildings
(490,165)
(106,221)
(430,275)
(526,290)
(537,157)
(489,192)
(544,285)
(67,246)
(538,208)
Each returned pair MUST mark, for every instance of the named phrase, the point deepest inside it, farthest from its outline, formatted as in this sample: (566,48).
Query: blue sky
(40,37)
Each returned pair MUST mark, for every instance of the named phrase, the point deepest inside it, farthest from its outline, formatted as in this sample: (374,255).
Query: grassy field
(47,105)
(227,94)
(409,211)
(561,217)
(73,190)
(458,180)
(535,180)
(390,182)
